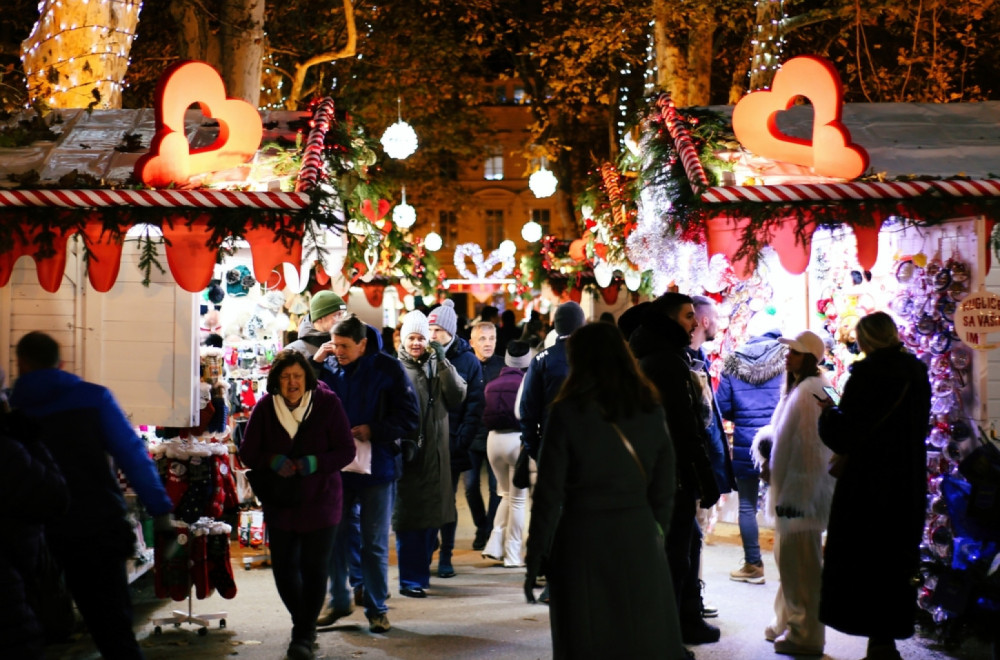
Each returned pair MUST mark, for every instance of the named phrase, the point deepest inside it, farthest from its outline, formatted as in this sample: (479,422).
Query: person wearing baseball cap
(799,497)
(326,308)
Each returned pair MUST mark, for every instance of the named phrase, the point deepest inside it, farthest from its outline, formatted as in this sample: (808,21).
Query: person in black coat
(484,343)
(606,471)
(660,344)
(877,515)
(32,491)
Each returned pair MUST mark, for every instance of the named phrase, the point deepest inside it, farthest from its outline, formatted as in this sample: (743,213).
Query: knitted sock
(176,482)
(220,568)
(171,553)
(199,562)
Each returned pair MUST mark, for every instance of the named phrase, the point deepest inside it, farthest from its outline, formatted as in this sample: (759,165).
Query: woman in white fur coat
(790,451)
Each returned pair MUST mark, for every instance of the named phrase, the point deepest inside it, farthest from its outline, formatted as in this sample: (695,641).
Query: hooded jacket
(749,389)
(374,390)
(309,341)
(542,382)
(660,345)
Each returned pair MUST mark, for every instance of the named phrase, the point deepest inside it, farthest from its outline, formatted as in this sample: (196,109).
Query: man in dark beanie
(660,344)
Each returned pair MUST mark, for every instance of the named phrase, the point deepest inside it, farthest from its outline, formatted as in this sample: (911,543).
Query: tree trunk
(671,67)
(301,69)
(766,42)
(699,83)
(82,65)
(229,35)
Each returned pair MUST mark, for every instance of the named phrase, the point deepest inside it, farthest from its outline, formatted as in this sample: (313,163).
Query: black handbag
(522,469)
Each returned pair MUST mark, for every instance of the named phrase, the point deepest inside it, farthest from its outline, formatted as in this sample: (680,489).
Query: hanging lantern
(531,231)
(399,140)
(507,248)
(433,241)
(404,215)
(543,183)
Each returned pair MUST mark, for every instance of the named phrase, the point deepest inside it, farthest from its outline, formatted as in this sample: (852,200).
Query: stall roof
(921,139)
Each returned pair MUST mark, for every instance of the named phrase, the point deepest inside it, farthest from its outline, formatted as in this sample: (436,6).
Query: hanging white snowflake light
(399,140)
(531,231)
(543,183)
(433,241)
(404,215)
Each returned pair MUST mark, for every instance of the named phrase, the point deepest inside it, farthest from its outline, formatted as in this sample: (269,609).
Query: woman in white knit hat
(424,497)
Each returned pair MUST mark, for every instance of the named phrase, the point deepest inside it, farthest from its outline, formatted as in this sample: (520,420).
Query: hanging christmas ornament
(603,273)
(507,248)
(399,140)
(531,231)
(404,215)
(543,182)
(633,279)
(433,241)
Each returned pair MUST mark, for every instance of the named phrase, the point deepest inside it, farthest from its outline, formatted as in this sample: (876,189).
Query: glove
(438,350)
(283,465)
(306,465)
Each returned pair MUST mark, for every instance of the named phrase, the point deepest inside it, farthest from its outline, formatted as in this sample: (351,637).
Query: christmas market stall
(819,214)
(149,231)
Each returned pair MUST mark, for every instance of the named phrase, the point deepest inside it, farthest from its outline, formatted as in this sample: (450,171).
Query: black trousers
(300,562)
(97,579)
(683,545)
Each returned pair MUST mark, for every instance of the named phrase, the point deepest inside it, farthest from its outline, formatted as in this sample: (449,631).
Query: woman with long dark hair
(877,517)
(299,431)
(602,504)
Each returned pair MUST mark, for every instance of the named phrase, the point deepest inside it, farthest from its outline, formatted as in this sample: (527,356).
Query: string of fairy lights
(100,32)
(768,41)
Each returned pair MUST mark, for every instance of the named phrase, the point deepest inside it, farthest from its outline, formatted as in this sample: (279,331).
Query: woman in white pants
(796,462)
(503,444)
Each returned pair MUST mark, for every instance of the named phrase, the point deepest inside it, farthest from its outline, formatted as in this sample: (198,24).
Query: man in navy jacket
(382,408)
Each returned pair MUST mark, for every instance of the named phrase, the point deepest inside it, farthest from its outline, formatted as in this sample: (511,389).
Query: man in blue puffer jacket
(749,389)
(382,407)
(463,423)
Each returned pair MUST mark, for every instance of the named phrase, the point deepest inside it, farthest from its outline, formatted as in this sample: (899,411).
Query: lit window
(519,96)
(447,227)
(494,229)
(493,167)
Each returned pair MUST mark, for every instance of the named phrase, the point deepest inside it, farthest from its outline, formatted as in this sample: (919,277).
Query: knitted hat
(444,317)
(414,323)
(325,303)
(806,342)
(518,354)
(569,316)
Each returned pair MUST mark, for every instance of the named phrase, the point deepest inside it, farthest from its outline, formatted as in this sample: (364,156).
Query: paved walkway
(480,613)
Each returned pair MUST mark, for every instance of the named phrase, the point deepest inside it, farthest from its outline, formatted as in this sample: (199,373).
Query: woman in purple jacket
(503,444)
(300,431)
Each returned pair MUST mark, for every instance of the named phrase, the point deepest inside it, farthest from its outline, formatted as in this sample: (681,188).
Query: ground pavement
(480,613)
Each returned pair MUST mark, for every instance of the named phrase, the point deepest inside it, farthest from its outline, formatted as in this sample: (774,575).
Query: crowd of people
(363,432)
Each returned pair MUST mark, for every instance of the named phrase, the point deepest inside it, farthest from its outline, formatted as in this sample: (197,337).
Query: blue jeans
(414,549)
(354,566)
(300,562)
(375,516)
(747,488)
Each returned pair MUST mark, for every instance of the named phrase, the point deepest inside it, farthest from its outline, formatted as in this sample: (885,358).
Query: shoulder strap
(631,450)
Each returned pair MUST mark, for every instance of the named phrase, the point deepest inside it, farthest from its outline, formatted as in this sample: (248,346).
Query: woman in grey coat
(424,497)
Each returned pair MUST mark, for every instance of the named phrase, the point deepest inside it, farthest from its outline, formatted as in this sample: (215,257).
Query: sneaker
(696,631)
(752,573)
(329,614)
(379,623)
(785,646)
(445,570)
(709,611)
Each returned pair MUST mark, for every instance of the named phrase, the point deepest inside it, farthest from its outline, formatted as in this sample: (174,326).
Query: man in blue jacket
(81,425)
(382,408)
(463,423)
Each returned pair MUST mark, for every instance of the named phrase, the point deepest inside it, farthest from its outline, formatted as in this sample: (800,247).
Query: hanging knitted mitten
(220,568)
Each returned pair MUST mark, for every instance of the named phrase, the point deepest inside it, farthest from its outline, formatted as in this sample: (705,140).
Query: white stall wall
(141,342)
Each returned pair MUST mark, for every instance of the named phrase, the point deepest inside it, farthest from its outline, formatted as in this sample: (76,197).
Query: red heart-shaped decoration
(375,214)
(830,152)
(170,160)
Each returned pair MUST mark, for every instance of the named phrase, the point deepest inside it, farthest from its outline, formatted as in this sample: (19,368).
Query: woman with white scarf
(299,431)
(795,462)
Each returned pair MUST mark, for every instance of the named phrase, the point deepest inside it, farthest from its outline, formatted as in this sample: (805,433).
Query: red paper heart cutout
(373,214)
(831,152)
(170,160)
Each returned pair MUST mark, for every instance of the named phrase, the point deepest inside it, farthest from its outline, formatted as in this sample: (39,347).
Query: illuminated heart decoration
(484,268)
(831,152)
(170,160)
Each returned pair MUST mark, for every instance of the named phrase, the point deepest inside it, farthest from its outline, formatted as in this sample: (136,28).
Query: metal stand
(178,617)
